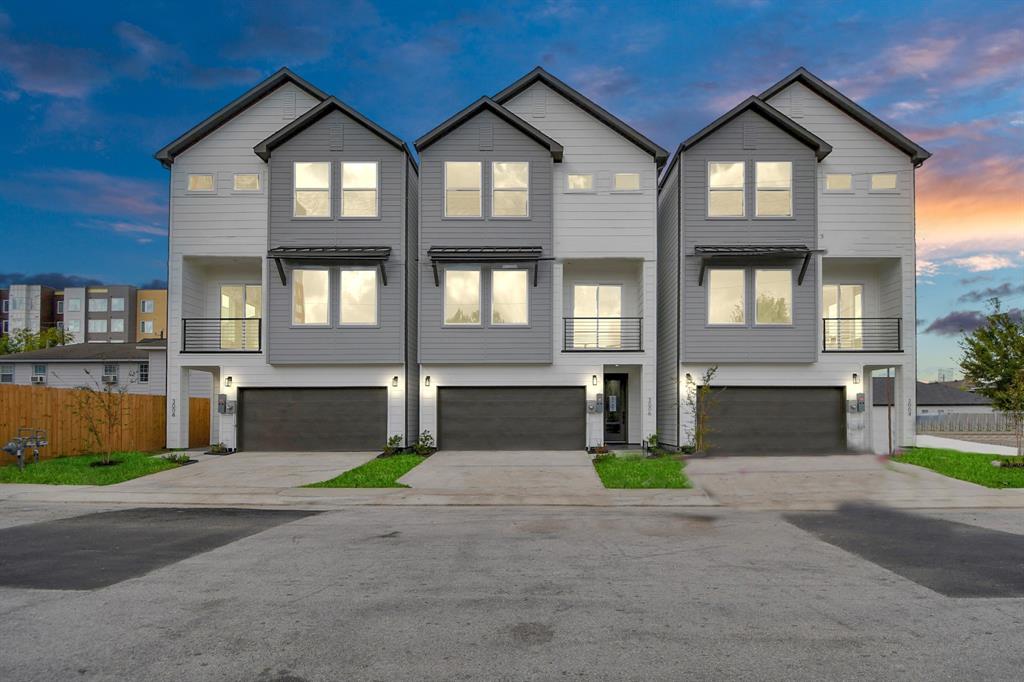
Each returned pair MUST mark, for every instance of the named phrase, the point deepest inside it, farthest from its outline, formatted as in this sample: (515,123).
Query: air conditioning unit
(38,379)
(110,378)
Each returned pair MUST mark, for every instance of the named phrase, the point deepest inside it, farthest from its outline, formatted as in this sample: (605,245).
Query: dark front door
(615,390)
(512,417)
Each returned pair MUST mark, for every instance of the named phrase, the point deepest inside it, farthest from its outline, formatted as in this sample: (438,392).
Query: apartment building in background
(31,307)
(4,311)
(151,314)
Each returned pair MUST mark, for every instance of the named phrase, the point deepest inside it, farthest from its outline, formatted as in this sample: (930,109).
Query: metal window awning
(331,255)
(710,255)
(484,254)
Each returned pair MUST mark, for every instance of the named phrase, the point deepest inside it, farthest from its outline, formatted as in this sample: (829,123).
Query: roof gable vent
(337,137)
(796,103)
(486,130)
(540,103)
(288,106)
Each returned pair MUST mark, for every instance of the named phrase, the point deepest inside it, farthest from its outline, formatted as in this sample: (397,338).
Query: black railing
(862,335)
(603,334)
(221,335)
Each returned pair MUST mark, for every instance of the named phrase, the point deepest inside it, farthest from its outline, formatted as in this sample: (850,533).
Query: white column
(177,408)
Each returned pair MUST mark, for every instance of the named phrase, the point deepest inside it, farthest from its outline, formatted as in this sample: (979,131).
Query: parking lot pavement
(396,593)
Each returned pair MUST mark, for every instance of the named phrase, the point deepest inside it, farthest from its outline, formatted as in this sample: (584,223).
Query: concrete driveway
(514,472)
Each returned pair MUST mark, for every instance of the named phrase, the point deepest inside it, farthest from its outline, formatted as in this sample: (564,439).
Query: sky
(88,91)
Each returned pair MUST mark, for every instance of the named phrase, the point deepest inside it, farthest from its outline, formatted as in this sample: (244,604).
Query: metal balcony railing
(862,335)
(603,334)
(221,335)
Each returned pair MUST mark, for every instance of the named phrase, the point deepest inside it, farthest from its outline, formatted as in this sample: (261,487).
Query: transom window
(358,296)
(774,181)
(838,182)
(247,182)
(462,195)
(773,297)
(580,182)
(359,189)
(312,189)
(311,295)
(725,189)
(510,190)
(200,182)
(6,374)
(510,292)
(627,182)
(97,305)
(883,182)
(117,325)
(726,296)
(461,296)
(97,326)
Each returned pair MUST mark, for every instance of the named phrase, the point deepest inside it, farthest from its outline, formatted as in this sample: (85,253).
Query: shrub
(393,445)
(424,444)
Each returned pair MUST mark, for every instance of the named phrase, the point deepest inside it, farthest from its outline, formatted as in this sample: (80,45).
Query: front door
(615,386)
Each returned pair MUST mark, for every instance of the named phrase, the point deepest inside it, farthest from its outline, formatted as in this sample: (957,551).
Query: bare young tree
(102,408)
(700,399)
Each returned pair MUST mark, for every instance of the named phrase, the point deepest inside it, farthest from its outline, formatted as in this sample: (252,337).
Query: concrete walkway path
(566,472)
(926,441)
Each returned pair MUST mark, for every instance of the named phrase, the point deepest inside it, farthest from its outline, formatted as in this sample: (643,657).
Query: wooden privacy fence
(66,420)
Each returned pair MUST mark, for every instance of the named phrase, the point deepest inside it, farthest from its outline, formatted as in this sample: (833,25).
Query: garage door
(312,419)
(512,418)
(770,420)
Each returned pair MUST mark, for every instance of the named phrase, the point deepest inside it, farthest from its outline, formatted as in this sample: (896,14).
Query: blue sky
(88,91)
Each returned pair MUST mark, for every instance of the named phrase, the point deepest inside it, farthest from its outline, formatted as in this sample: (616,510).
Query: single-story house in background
(933,401)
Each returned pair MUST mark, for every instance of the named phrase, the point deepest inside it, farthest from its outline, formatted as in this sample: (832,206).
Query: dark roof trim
(772,115)
(916,152)
(579,99)
(484,254)
(486,103)
(229,111)
(733,253)
(668,169)
(329,105)
(331,255)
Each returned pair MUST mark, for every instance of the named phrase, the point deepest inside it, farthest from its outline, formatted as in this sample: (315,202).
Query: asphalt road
(404,593)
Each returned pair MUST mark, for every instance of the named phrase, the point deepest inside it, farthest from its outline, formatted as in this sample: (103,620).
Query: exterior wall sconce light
(856,379)
(593,380)
(227,381)
(689,378)
(426,380)
(394,381)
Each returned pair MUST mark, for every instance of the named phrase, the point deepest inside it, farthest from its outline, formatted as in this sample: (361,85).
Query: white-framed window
(838,182)
(73,325)
(579,182)
(462,189)
(727,300)
(461,296)
(143,372)
(842,306)
(6,326)
(6,374)
(883,182)
(359,189)
(358,304)
(6,305)
(146,327)
(311,297)
(627,182)
(97,326)
(148,305)
(246,182)
(510,297)
(201,182)
(110,368)
(97,305)
(312,189)
(773,297)
(774,184)
(726,189)
(597,313)
(117,305)
(60,307)
(117,325)
(39,370)
(238,303)
(510,189)
(74,305)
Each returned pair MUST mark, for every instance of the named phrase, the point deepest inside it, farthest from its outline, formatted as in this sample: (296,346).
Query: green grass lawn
(967,466)
(76,470)
(377,473)
(634,471)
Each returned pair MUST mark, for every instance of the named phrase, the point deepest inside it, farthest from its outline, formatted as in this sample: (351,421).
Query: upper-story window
(97,305)
(148,305)
(627,182)
(725,189)
(462,189)
(312,189)
(73,325)
(6,305)
(727,296)
(462,296)
(773,297)
(246,182)
(774,182)
(60,307)
(359,189)
(117,305)
(117,324)
(580,182)
(510,293)
(97,326)
(838,182)
(358,296)
(311,295)
(510,189)
(146,326)
(201,182)
(74,305)
(883,182)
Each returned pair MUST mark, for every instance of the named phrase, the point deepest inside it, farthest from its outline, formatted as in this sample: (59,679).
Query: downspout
(679,295)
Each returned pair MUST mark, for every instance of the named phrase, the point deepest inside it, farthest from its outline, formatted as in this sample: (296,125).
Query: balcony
(862,335)
(602,334)
(221,335)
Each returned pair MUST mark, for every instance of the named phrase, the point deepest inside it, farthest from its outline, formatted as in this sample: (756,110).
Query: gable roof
(329,105)
(576,97)
(488,104)
(772,115)
(166,155)
(933,394)
(916,152)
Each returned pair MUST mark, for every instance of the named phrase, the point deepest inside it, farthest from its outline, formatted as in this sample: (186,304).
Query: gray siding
(412,367)
(128,293)
(485,344)
(668,310)
(384,343)
(751,138)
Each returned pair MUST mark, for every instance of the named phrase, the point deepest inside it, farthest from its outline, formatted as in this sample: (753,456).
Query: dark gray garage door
(512,418)
(312,419)
(770,420)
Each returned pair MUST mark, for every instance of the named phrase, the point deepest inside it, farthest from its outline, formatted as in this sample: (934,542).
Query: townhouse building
(292,217)
(787,252)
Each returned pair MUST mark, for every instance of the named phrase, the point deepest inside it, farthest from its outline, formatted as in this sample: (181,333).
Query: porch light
(689,378)
(426,380)
(227,382)
(394,381)
(856,379)
(593,380)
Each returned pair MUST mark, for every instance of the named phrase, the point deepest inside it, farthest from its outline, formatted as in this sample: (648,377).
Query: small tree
(700,399)
(993,362)
(101,407)
(24,340)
